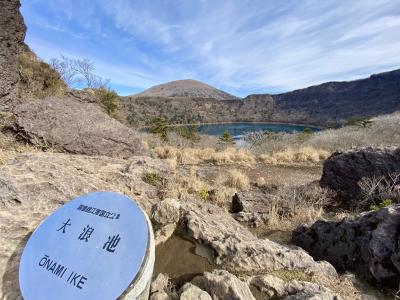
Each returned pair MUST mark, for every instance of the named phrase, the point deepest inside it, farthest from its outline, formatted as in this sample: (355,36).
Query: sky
(240,46)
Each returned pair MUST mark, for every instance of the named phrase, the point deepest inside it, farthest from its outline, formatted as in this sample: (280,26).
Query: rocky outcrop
(368,244)
(12,36)
(223,285)
(343,171)
(74,126)
(34,185)
(237,250)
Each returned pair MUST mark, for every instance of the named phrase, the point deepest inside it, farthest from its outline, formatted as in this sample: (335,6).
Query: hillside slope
(186,88)
(333,102)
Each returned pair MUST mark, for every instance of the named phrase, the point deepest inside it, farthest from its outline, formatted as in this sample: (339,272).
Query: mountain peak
(189,88)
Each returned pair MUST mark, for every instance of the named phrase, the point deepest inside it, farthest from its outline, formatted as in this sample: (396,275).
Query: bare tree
(78,71)
(64,67)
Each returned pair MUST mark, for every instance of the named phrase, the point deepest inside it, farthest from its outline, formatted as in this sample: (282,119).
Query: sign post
(97,246)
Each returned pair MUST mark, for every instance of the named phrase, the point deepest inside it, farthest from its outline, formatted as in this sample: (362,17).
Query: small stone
(161,295)
(159,283)
(166,212)
(191,292)
(223,285)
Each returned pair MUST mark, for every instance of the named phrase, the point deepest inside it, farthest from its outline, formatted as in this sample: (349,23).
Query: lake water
(239,129)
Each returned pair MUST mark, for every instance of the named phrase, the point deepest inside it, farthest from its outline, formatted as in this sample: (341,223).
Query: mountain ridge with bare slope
(188,88)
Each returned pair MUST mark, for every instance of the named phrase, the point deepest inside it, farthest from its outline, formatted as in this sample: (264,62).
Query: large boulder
(368,244)
(34,185)
(74,126)
(12,36)
(343,171)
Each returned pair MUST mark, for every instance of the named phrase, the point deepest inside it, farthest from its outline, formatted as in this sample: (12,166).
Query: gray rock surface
(342,171)
(191,292)
(74,126)
(268,286)
(313,296)
(367,245)
(34,185)
(254,201)
(12,36)
(236,249)
(223,285)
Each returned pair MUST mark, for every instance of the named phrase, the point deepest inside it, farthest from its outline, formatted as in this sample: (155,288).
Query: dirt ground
(273,175)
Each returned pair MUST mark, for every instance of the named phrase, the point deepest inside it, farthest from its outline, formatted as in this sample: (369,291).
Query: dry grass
(290,207)
(291,156)
(9,148)
(222,195)
(376,190)
(234,179)
(195,156)
(341,285)
(383,131)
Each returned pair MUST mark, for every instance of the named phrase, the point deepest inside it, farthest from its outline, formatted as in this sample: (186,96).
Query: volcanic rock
(74,126)
(343,171)
(367,244)
(12,36)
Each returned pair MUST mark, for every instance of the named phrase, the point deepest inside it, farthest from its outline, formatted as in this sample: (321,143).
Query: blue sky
(240,46)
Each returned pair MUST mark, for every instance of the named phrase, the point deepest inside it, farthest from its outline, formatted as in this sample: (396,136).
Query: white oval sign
(93,247)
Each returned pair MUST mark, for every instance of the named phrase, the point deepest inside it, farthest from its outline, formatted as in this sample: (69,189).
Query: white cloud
(242,45)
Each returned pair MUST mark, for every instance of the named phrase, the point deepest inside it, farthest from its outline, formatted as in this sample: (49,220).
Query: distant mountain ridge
(333,102)
(186,88)
(327,104)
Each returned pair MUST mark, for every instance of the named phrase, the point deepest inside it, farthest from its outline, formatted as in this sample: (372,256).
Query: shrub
(159,126)
(226,138)
(109,99)
(204,193)
(360,122)
(378,192)
(37,78)
(188,132)
(308,131)
(383,204)
(151,178)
